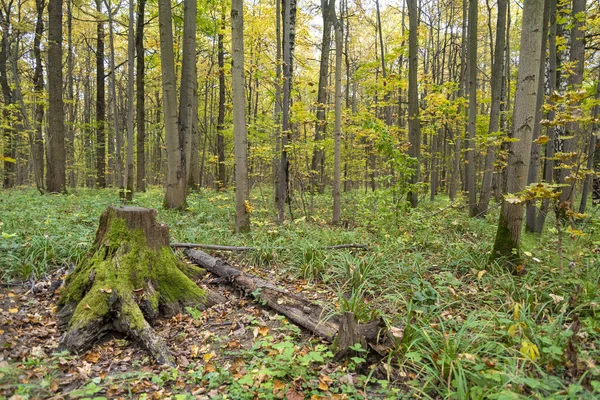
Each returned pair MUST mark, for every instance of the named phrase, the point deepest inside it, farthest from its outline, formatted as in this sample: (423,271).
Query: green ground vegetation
(471,329)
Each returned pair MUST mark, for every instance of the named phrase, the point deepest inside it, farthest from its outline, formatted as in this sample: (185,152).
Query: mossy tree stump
(130,279)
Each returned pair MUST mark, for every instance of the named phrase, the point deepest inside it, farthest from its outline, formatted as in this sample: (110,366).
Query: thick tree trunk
(70,126)
(130,280)
(508,236)
(242,190)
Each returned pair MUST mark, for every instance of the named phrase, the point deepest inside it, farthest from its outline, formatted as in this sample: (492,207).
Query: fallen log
(249,248)
(297,309)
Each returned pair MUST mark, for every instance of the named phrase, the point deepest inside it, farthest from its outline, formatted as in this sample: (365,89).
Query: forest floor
(471,330)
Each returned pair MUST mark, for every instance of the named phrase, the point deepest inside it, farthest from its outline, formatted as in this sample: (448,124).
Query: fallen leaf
(481,273)
(13,310)
(263,330)
(92,357)
(292,394)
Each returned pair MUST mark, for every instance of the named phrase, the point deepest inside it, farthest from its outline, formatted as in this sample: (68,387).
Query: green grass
(471,329)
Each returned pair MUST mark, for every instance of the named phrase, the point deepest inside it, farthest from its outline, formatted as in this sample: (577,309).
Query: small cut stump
(130,278)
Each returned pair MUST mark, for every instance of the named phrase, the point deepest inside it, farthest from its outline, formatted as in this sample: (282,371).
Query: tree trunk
(130,99)
(175,196)
(37,151)
(587,183)
(289,18)
(494,126)
(130,280)
(113,97)
(567,173)
(242,190)
(553,78)
(70,99)
(7,93)
(221,178)
(140,98)
(508,236)
(414,125)
(337,156)
(470,167)
(188,79)
(533,174)
(316,178)
(100,103)
(55,172)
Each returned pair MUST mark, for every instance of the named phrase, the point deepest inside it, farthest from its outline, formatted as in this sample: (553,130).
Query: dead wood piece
(297,309)
(248,248)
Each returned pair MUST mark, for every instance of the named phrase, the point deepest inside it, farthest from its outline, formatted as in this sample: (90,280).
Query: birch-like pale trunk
(240,142)
(508,236)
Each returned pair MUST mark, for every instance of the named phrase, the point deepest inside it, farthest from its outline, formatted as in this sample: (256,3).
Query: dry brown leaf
(292,394)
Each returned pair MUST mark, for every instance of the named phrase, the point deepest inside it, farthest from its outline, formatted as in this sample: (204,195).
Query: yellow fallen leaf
(481,273)
(207,357)
(263,330)
(13,310)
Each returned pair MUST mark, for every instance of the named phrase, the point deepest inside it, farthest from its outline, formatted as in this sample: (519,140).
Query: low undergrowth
(471,330)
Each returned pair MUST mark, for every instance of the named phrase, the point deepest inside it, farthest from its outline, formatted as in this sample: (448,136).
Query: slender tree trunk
(508,236)
(113,97)
(316,177)
(494,127)
(289,18)
(535,162)
(567,173)
(55,176)
(130,99)
(175,196)
(194,161)
(470,167)
(100,103)
(221,177)
(553,78)
(242,191)
(337,156)
(414,125)
(140,98)
(188,79)
(7,93)
(277,108)
(37,151)
(70,126)
(587,183)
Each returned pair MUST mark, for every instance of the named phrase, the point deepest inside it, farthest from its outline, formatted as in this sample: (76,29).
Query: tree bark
(100,102)
(188,79)
(337,151)
(494,126)
(37,151)
(140,98)
(508,236)
(470,167)
(130,102)
(567,172)
(242,189)
(414,125)
(221,177)
(175,196)
(55,171)
(316,178)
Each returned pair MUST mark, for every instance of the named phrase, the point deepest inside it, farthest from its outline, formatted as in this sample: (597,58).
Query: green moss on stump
(126,283)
